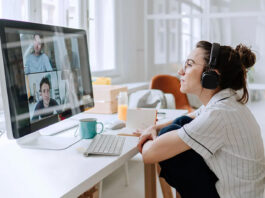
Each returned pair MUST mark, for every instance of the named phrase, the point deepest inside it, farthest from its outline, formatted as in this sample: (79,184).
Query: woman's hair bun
(247,57)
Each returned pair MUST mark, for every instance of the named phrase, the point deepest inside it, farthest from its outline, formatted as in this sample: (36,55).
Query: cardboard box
(106,98)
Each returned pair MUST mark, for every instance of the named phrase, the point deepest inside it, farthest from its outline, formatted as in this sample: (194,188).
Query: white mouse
(117,124)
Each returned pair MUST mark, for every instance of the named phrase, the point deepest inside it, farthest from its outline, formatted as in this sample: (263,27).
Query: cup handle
(102,127)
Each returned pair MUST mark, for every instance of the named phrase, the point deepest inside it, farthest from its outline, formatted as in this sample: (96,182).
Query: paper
(140,118)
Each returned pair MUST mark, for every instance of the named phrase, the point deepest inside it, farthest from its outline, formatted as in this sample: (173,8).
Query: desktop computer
(45,78)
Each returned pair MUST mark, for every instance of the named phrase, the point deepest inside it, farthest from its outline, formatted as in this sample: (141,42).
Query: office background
(133,40)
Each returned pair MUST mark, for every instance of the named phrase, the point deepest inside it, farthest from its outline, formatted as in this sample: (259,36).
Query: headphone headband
(214,55)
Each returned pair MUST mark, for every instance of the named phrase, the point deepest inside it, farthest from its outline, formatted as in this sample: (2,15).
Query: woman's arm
(162,147)
(191,115)
(160,126)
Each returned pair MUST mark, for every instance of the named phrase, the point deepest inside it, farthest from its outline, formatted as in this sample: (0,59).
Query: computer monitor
(45,78)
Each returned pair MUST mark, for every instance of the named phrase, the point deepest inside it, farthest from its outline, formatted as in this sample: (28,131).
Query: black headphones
(209,78)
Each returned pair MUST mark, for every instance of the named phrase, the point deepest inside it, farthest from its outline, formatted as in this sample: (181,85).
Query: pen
(127,134)
(161,113)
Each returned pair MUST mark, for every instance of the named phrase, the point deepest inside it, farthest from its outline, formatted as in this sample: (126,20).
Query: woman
(223,132)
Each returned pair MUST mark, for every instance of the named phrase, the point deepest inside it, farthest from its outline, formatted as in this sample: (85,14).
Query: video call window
(52,73)
(47,74)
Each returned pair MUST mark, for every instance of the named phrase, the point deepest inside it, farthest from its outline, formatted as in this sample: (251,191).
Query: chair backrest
(171,84)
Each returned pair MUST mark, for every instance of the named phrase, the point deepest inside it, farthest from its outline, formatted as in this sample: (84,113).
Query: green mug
(88,128)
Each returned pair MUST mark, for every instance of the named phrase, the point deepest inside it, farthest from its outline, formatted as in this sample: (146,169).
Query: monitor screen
(47,74)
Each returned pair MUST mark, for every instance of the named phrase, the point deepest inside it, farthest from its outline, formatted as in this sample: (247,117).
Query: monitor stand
(38,141)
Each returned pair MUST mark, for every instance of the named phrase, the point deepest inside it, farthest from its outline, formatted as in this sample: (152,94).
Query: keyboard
(105,145)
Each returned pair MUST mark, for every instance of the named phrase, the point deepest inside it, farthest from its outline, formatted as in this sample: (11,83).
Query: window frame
(35,15)
(200,10)
(116,71)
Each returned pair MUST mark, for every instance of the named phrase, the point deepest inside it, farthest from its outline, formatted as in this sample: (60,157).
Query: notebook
(140,118)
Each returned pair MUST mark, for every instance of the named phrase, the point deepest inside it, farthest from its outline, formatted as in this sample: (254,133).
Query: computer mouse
(117,124)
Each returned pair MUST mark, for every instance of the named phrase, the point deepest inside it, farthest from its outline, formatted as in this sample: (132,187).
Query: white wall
(130,40)
(251,33)
(249,30)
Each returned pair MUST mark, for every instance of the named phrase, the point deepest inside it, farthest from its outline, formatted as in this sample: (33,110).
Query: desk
(43,173)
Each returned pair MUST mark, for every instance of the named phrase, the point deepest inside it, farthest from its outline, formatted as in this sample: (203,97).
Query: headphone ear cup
(210,80)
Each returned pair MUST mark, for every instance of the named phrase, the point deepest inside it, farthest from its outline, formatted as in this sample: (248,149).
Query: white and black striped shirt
(227,136)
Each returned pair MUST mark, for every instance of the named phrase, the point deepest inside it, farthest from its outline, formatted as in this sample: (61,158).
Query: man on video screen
(37,61)
(45,102)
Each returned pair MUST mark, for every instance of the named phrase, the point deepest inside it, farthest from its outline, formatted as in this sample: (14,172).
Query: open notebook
(140,118)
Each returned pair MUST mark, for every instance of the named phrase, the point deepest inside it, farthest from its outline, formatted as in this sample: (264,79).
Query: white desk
(43,173)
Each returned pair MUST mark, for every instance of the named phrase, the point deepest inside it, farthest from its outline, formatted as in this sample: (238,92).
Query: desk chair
(171,84)
(94,192)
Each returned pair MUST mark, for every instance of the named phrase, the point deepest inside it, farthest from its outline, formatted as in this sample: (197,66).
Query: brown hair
(232,65)
(45,80)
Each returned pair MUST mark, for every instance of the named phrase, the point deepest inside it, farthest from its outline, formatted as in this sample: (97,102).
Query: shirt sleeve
(205,134)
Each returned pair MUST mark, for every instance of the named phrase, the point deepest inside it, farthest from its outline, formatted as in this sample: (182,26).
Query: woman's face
(191,72)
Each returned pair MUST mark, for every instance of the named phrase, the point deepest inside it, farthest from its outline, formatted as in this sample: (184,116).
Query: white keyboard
(105,145)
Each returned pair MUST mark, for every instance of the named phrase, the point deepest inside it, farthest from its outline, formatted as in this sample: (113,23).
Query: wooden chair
(171,84)
(94,192)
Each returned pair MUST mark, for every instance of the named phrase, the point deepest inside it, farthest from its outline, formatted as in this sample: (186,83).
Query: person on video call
(216,151)
(45,102)
(37,61)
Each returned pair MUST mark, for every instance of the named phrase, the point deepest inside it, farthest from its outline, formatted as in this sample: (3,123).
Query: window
(14,9)
(190,26)
(61,12)
(186,22)
(102,35)
(176,25)
(74,14)
(101,27)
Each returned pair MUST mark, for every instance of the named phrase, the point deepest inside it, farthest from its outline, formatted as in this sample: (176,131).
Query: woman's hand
(138,132)
(149,134)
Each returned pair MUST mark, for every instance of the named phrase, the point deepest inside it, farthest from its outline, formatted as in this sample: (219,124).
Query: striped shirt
(227,136)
